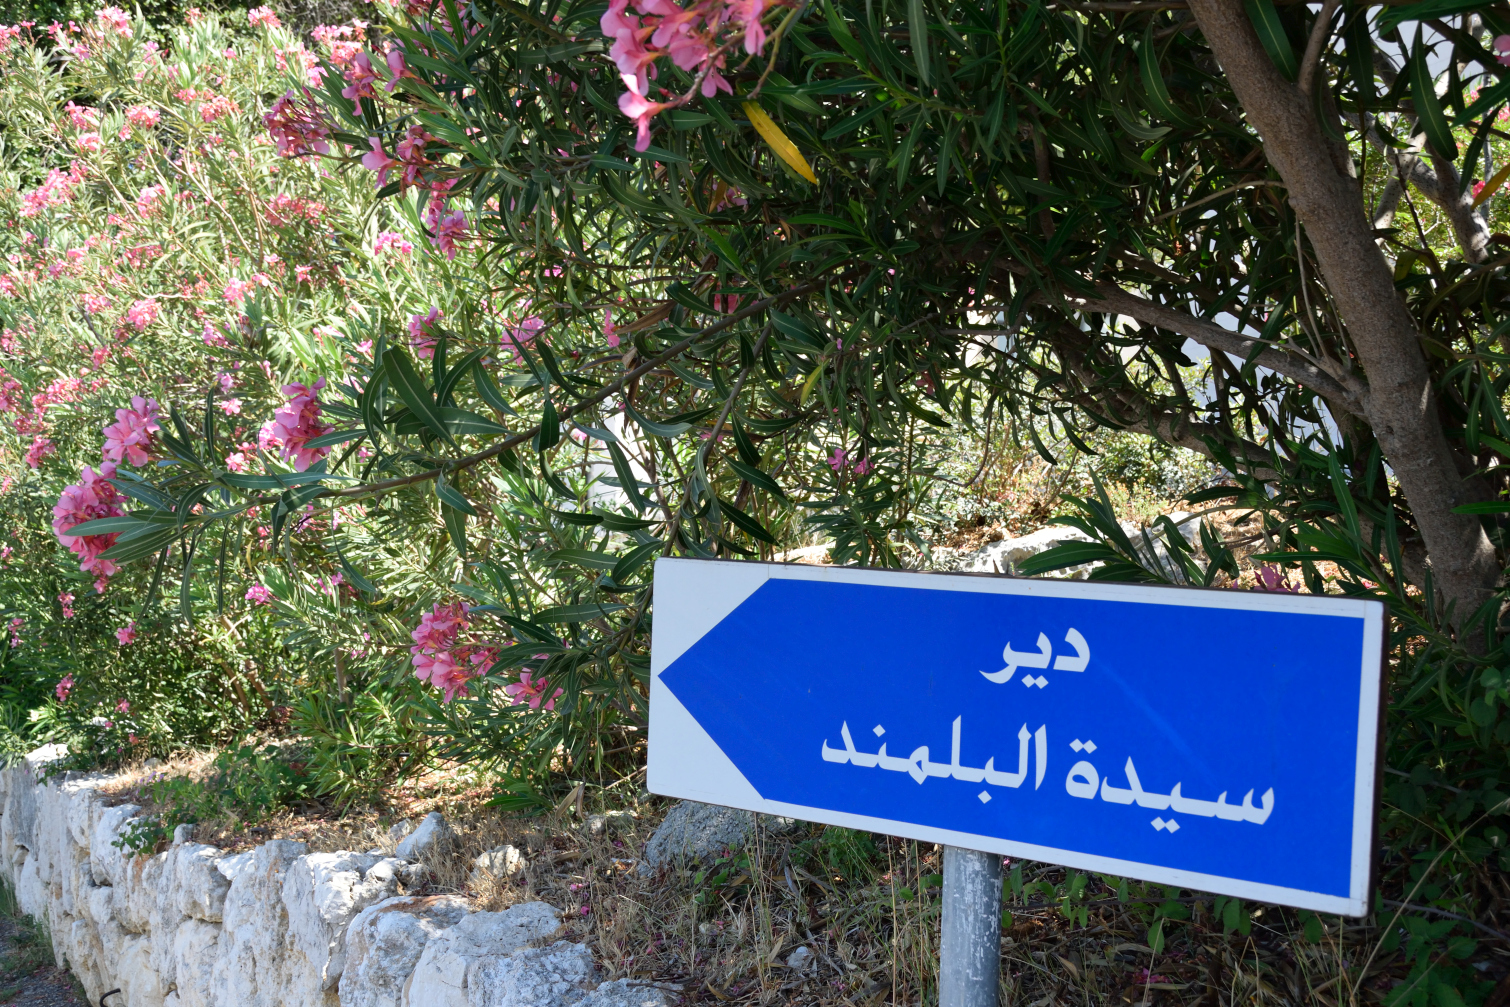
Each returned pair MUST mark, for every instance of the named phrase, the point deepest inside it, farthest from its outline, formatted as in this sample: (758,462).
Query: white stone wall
(193,927)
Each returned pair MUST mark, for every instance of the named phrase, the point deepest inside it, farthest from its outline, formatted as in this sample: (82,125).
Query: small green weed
(244,786)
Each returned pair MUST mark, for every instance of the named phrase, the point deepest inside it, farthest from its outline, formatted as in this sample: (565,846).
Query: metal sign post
(970,938)
(1222,741)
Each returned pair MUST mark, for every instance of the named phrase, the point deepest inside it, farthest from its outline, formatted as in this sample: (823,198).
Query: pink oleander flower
(836,460)
(747,13)
(231,407)
(213,338)
(421,332)
(92,142)
(143,116)
(15,631)
(445,672)
(398,69)
(533,691)
(124,636)
(393,240)
(142,313)
(1502,49)
(1478,187)
(516,337)
(447,229)
(863,467)
(298,423)
(297,130)
(438,628)
(263,17)
(378,160)
(129,438)
(609,332)
(641,111)
(1272,578)
(236,461)
(66,600)
(360,77)
(41,447)
(218,107)
(257,594)
(237,291)
(124,706)
(63,688)
(116,20)
(82,116)
(95,303)
(410,152)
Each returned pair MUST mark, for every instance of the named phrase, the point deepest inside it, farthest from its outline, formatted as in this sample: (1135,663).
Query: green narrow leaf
(407,383)
(452,497)
(456,527)
(488,391)
(627,481)
(917,26)
(746,522)
(755,477)
(1271,32)
(633,560)
(1423,92)
(745,446)
(1159,98)
(549,434)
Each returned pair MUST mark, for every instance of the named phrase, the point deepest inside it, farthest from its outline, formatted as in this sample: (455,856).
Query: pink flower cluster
(422,333)
(258,594)
(55,190)
(142,313)
(92,497)
(143,116)
(393,240)
(296,424)
(695,37)
(63,688)
(1501,47)
(533,691)
(438,656)
(298,129)
(129,438)
(124,636)
(263,17)
(41,447)
(113,19)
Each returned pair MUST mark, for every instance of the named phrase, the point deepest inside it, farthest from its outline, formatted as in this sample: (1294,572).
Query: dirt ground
(28,977)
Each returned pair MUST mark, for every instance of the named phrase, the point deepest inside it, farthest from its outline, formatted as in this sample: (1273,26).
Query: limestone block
(232,866)
(250,969)
(31,893)
(108,862)
(625,993)
(322,894)
(502,862)
(384,943)
(139,983)
(423,839)
(198,888)
(137,900)
(560,975)
(453,971)
(192,962)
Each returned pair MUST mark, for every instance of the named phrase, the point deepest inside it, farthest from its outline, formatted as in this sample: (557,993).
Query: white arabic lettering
(1027,659)
(918,766)
(1085,782)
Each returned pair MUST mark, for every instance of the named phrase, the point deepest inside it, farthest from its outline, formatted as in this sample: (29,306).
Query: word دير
(1028,659)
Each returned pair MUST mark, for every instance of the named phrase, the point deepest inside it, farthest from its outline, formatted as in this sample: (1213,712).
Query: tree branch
(1320,32)
(1348,390)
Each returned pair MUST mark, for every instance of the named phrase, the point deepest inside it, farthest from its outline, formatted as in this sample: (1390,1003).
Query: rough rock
(625,993)
(501,862)
(322,894)
(423,839)
(250,967)
(1005,555)
(560,975)
(384,943)
(693,831)
(459,966)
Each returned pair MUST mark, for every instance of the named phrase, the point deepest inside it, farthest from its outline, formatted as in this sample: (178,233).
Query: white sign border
(683,761)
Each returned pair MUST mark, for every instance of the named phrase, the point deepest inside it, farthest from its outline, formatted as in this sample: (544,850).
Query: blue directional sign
(1222,741)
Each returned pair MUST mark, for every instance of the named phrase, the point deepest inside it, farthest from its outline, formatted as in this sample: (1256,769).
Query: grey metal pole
(970,944)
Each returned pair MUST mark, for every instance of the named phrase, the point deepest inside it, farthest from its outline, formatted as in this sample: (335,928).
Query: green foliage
(243,787)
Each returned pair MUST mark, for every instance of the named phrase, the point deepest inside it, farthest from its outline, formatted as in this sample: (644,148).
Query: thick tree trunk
(1401,406)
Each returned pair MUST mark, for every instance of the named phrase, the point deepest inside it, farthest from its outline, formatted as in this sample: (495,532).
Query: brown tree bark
(1401,405)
